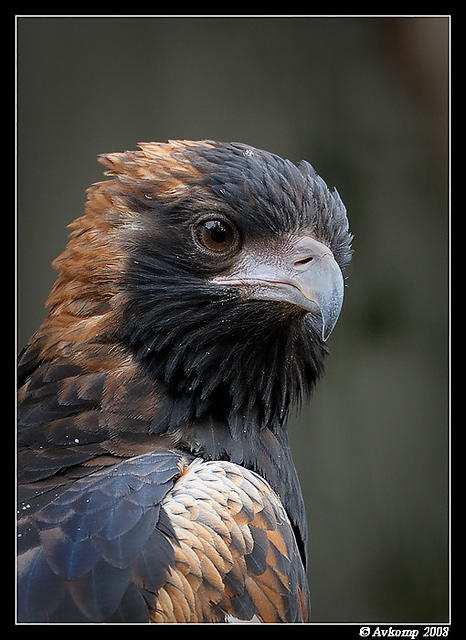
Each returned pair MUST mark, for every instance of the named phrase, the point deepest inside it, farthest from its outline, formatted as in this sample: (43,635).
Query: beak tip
(326,332)
(330,312)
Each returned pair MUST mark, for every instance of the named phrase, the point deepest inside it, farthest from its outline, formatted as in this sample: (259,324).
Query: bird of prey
(189,316)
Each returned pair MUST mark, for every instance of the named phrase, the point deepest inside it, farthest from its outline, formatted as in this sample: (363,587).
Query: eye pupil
(216,235)
(217,231)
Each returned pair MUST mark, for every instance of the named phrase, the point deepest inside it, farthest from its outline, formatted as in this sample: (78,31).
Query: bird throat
(231,366)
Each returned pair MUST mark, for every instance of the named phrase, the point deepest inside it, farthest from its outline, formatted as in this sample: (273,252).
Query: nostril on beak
(303,261)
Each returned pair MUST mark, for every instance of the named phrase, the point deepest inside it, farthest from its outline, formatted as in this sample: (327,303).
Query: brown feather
(216,538)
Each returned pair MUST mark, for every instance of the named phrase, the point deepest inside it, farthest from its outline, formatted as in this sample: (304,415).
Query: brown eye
(217,235)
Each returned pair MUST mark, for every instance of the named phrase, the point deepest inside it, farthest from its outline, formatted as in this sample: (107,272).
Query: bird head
(219,270)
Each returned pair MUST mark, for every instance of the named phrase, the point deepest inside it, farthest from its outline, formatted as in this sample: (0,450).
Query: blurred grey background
(365,100)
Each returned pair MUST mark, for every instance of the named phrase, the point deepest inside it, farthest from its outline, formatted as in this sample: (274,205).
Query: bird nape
(190,314)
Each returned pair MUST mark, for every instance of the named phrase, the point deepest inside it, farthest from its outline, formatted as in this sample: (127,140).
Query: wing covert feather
(235,546)
(162,538)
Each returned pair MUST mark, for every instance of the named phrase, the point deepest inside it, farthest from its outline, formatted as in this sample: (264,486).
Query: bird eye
(217,235)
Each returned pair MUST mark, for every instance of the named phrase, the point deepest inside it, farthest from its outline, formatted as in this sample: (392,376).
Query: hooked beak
(305,274)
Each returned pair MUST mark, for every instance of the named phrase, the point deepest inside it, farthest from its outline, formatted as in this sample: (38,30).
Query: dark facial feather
(243,362)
